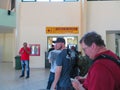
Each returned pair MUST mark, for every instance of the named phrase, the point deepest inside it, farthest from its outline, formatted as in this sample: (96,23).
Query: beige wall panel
(8,47)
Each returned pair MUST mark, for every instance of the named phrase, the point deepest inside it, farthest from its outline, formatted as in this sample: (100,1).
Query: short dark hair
(92,37)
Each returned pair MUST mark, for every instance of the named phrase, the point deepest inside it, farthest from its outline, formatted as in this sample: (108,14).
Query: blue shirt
(64,61)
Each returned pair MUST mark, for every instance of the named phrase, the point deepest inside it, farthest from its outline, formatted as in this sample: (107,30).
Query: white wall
(102,16)
(35,17)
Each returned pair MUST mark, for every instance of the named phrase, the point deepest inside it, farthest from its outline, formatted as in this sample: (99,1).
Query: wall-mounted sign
(62,30)
(35,49)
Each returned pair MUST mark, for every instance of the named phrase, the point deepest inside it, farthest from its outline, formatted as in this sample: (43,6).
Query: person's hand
(53,86)
(21,52)
(78,77)
(25,48)
(76,84)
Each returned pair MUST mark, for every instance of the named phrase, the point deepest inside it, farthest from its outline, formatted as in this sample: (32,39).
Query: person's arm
(27,50)
(49,57)
(21,51)
(49,60)
(57,76)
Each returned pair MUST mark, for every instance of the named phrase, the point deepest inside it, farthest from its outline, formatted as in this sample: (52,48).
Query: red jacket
(103,75)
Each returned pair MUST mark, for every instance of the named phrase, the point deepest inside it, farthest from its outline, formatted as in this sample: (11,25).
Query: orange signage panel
(62,30)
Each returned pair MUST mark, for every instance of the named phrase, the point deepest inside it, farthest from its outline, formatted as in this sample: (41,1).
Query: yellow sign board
(62,30)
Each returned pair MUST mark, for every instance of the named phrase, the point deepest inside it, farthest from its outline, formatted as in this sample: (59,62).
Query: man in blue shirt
(62,74)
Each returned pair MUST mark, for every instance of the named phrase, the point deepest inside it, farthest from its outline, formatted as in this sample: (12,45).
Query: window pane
(43,0)
(71,0)
(28,0)
(57,0)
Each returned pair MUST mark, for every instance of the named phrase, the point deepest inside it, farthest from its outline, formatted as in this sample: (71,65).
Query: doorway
(113,41)
(70,41)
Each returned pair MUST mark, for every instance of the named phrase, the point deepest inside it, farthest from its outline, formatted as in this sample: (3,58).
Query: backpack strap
(108,57)
(68,52)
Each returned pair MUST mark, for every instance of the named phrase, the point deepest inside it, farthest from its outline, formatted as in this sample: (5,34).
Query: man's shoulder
(21,48)
(28,47)
(63,51)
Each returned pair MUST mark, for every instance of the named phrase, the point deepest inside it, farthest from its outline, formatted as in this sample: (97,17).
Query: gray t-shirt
(52,57)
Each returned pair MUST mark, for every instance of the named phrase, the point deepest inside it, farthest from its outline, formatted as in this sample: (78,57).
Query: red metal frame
(35,49)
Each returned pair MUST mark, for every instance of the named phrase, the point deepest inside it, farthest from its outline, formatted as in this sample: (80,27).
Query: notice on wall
(35,49)
(62,30)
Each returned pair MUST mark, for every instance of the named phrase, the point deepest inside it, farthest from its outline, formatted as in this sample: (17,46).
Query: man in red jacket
(104,74)
(25,53)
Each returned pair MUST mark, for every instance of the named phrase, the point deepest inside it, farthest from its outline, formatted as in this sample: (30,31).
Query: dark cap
(59,39)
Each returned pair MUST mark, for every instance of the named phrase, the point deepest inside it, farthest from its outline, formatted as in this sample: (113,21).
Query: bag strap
(108,57)
(68,52)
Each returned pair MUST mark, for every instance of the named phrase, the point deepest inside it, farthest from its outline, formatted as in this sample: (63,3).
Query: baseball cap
(59,39)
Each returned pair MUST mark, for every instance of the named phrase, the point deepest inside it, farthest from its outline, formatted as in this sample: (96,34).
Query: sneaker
(21,76)
(27,77)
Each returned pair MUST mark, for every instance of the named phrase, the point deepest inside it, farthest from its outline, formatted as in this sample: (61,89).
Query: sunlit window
(43,0)
(57,0)
(50,0)
(71,0)
(28,0)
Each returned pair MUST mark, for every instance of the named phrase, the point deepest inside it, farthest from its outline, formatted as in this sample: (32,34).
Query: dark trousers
(50,80)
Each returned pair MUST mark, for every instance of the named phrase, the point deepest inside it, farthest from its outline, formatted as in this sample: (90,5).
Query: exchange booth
(70,41)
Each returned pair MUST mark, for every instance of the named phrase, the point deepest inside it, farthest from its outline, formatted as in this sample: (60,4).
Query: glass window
(28,0)
(43,0)
(50,0)
(56,0)
(71,0)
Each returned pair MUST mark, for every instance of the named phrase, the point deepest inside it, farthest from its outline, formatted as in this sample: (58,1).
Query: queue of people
(66,66)
(103,74)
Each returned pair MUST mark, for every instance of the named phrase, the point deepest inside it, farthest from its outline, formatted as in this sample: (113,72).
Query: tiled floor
(9,78)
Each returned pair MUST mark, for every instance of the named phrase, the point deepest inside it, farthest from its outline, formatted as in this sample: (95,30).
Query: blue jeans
(25,65)
(50,80)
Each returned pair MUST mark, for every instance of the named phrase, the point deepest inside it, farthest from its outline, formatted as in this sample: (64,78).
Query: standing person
(74,61)
(25,52)
(52,59)
(52,48)
(62,74)
(104,74)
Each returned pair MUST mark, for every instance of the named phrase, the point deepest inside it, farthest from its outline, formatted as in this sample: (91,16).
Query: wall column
(83,16)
